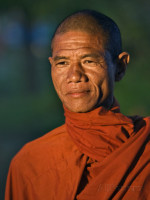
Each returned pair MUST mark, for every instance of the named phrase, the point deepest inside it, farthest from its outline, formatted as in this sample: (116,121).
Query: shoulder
(147,119)
(45,142)
(145,123)
(37,156)
(141,123)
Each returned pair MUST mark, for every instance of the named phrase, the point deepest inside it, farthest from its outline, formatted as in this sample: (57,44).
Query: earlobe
(123,60)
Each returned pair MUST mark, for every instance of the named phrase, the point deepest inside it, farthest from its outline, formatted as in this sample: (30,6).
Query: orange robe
(97,155)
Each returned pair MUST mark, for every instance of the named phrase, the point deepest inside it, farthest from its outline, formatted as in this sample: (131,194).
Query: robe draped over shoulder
(48,168)
(97,155)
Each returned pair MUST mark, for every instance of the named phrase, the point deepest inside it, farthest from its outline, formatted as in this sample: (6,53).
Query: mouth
(78,94)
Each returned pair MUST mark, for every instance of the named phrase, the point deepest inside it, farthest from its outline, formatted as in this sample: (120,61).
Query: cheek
(101,84)
(97,79)
(107,87)
(57,79)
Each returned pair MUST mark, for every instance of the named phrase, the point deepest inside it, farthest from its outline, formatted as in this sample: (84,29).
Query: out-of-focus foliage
(29,106)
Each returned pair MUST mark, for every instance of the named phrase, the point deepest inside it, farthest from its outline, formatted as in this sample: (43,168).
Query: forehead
(76,40)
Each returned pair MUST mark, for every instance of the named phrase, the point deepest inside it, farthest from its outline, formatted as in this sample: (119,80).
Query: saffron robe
(97,155)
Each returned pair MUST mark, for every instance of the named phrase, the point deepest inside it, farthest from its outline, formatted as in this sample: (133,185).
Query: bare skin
(83,72)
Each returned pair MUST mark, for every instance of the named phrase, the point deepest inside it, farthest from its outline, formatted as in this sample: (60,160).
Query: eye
(61,63)
(89,62)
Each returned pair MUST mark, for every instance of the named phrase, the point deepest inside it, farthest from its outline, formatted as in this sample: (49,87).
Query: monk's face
(82,71)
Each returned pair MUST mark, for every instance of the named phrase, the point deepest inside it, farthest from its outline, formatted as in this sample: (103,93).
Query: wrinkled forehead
(78,39)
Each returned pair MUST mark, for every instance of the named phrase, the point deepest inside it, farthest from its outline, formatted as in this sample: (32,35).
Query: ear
(122,61)
(50,60)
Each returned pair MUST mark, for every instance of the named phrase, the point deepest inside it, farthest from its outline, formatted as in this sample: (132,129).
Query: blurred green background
(29,106)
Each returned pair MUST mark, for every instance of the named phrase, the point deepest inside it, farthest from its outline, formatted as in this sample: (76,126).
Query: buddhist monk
(99,153)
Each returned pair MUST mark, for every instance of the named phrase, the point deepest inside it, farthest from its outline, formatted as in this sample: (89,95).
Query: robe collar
(99,132)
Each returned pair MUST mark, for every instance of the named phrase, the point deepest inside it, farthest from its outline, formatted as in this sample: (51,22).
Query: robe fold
(101,154)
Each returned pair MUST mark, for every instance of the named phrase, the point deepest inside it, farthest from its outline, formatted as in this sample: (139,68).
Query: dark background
(29,106)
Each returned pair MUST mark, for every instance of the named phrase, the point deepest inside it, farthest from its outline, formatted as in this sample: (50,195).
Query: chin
(79,108)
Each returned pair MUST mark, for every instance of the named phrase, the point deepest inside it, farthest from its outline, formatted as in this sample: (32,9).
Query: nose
(76,74)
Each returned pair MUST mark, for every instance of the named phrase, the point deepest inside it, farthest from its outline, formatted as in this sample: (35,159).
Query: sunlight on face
(82,71)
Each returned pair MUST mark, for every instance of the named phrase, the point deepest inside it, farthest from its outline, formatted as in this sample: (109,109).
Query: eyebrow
(60,57)
(94,55)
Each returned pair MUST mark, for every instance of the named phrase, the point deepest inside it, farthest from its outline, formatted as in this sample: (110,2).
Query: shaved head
(94,23)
